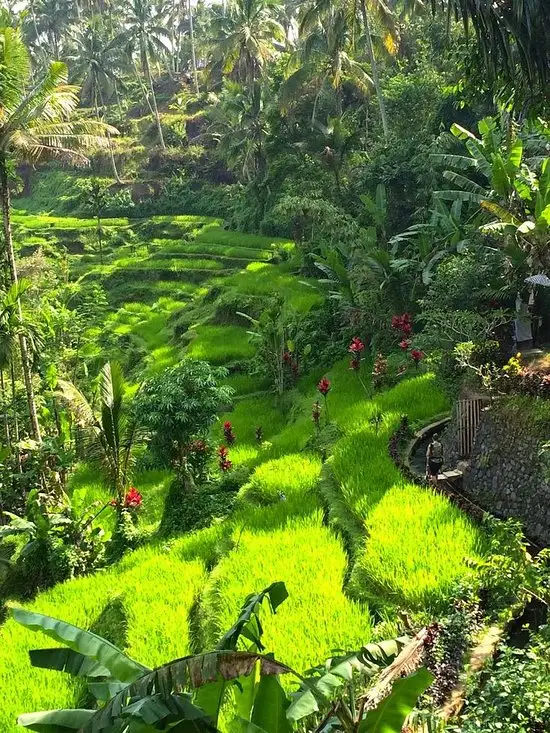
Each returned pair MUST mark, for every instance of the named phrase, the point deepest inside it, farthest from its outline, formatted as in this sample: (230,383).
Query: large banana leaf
(369,660)
(83,642)
(67,660)
(55,721)
(189,673)
(390,714)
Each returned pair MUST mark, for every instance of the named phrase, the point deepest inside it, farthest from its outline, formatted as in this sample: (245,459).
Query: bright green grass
(155,604)
(33,221)
(316,618)
(86,488)
(261,278)
(245,384)
(221,344)
(216,234)
(282,479)
(212,248)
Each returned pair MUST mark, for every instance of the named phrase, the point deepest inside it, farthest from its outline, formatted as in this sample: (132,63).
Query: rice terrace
(274,366)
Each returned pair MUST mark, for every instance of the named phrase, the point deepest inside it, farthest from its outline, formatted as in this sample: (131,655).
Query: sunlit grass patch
(34,221)
(288,478)
(153,607)
(244,383)
(253,412)
(221,344)
(416,549)
(261,278)
(316,618)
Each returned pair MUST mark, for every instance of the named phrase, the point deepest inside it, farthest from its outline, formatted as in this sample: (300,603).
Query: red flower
(402,323)
(324,386)
(356,346)
(113,502)
(226,465)
(133,499)
(417,356)
(355,364)
(404,344)
(406,329)
(223,451)
(228,433)
(287,357)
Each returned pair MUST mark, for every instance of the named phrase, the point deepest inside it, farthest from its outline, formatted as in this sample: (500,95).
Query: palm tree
(324,56)
(146,35)
(511,35)
(93,60)
(341,18)
(35,125)
(111,435)
(245,38)
(193,49)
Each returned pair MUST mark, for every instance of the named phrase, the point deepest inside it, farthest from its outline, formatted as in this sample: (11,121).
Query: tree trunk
(109,140)
(147,70)
(8,240)
(193,54)
(374,68)
(7,431)
(15,419)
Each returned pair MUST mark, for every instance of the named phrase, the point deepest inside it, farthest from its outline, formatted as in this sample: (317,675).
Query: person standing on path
(434,459)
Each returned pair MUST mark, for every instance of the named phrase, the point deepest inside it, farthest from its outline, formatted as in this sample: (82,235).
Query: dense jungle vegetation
(249,248)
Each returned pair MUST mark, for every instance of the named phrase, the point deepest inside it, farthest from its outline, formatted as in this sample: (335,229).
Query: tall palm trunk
(12,265)
(15,418)
(109,139)
(7,431)
(147,69)
(193,54)
(374,68)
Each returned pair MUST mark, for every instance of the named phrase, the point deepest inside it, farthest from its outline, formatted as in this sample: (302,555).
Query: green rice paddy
(354,542)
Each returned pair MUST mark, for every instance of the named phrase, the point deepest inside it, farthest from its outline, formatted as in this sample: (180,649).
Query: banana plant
(497,177)
(239,687)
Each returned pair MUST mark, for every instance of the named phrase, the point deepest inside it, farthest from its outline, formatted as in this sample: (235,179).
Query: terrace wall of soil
(509,469)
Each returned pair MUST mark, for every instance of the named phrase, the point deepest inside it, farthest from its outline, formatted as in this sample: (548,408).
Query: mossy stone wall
(509,469)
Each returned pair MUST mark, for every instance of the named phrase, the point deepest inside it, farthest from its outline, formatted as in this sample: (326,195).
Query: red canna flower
(324,386)
(356,346)
(404,344)
(228,433)
(224,463)
(133,499)
(417,356)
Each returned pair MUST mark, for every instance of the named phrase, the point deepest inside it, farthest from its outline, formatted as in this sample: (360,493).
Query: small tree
(94,197)
(179,405)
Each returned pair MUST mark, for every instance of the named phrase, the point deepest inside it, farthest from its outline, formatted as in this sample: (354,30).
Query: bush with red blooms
(228,433)
(223,455)
(132,499)
(355,349)
(417,356)
(404,344)
(324,386)
(403,323)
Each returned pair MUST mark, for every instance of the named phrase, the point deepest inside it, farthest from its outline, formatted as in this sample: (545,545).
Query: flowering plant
(316,414)
(402,323)
(228,433)
(324,386)
(224,463)
(404,344)
(417,356)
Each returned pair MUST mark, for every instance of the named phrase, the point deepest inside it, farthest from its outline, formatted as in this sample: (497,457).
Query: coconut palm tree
(245,38)
(347,18)
(35,125)
(111,434)
(325,56)
(93,64)
(145,35)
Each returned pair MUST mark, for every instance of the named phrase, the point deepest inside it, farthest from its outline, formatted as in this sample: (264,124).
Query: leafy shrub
(185,511)
(179,405)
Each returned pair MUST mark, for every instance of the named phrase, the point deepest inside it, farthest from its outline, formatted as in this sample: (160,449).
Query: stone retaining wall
(508,472)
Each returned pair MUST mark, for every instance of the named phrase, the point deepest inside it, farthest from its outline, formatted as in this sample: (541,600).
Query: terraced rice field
(353,541)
